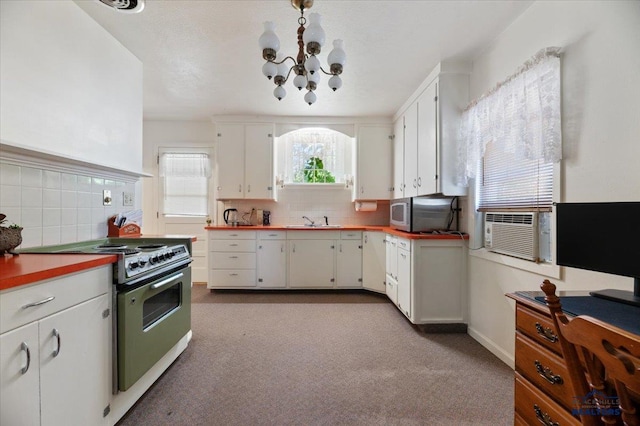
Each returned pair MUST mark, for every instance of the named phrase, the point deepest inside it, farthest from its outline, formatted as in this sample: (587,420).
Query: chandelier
(306,66)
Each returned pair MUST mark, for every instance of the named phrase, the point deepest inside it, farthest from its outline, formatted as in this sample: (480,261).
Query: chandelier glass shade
(305,67)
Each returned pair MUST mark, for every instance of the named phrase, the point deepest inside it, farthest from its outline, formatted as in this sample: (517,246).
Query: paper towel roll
(366,206)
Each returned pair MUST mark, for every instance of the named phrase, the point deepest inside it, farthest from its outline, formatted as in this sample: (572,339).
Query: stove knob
(133,265)
(170,254)
(161,257)
(142,262)
(153,260)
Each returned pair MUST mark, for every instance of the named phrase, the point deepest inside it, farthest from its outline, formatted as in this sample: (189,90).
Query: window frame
(162,186)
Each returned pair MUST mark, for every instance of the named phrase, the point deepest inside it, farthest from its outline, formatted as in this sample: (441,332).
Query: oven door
(152,318)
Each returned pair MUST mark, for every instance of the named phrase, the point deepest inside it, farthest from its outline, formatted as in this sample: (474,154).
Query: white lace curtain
(520,115)
(174,164)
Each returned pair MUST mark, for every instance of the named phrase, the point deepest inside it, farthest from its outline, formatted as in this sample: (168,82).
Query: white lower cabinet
(373,261)
(55,357)
(404,281)
(425,279)
(311,263)
(272,259)
(232,259)
(285,259)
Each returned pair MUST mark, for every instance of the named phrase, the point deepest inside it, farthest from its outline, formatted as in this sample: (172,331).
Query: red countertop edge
(29,268)
(385,229)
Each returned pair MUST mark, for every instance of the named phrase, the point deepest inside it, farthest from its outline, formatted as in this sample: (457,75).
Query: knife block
(128,230)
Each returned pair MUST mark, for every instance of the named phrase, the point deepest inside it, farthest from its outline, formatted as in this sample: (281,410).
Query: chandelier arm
(282,61)
(327,73)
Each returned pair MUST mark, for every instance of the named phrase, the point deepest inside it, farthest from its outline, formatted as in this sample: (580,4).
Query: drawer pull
(41,302)
(24,347)
(546,333)
(233,257)
(543,417)
(547,374)
(233,245)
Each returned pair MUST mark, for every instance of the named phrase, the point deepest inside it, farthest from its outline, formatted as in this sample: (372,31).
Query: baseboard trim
(443,328)
(492,347)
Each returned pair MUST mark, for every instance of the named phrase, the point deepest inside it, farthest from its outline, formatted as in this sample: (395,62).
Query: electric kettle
(230,217)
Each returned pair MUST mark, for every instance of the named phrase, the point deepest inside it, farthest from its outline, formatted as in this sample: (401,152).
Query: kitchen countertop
(29,268)
(385,229)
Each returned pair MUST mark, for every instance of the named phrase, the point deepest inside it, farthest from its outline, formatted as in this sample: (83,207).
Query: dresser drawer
(351,235)
(232,245)
(232,278)
(544,369)
(539,327)
(232,260)
(535,408)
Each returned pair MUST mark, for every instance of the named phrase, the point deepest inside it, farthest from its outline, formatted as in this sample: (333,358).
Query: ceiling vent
(125,6)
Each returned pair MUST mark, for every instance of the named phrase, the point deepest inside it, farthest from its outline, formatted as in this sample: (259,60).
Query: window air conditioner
(513,234)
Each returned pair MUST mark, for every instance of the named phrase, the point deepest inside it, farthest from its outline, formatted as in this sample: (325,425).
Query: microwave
(422,214)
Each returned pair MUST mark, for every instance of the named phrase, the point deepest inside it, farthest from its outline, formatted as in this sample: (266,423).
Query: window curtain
(303,144)
(521,116)
(174,164)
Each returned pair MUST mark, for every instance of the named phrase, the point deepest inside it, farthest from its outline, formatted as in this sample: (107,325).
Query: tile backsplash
(314,202)
(57,207)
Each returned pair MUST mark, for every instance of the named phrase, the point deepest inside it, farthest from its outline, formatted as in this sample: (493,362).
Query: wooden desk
(543,394)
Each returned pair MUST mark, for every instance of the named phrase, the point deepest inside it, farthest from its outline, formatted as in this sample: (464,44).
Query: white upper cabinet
(427,156)
(398,158)
(428,127)
(373,172)
(411,150)
(244,161)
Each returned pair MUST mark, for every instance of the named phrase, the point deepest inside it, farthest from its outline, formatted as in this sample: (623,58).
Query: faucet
(326,220)
(311,222)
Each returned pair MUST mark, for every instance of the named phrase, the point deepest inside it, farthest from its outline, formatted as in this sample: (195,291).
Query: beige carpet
(318,358)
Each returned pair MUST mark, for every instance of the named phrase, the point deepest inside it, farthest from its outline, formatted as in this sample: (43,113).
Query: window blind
(509,182)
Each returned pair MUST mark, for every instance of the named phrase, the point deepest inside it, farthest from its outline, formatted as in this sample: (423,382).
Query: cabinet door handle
(56,334)
(294,248)
(362,189)
(547,374)
(240,188)
(419,181)
(415,183)
(248,188)
(24,347)
(282,248)
(546,333)
(366,238)
(41,302)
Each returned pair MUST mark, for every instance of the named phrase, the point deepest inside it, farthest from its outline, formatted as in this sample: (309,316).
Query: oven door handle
(166,281)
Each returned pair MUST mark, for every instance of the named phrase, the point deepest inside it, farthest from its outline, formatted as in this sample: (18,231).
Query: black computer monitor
(603,237)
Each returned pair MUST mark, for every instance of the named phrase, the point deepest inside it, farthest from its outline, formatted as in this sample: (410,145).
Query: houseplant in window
(10,236)
(314,172)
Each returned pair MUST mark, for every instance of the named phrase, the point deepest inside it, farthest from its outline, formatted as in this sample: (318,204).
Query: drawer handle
(547,374)
(546,333)
(233,275)
(233,245)
(42,302)
(56,334)
(543,417)
(26,349)
(273,235)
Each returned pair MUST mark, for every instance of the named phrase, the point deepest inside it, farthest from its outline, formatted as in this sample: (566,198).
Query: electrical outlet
(127,199)
(106,197)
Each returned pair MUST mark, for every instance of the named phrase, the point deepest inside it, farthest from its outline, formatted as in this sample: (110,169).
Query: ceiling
(201,57)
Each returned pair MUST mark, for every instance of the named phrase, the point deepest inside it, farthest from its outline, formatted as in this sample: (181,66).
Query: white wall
(600,124)
(68,87)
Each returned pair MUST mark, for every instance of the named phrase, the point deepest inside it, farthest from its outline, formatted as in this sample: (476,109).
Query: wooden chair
(601,359)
